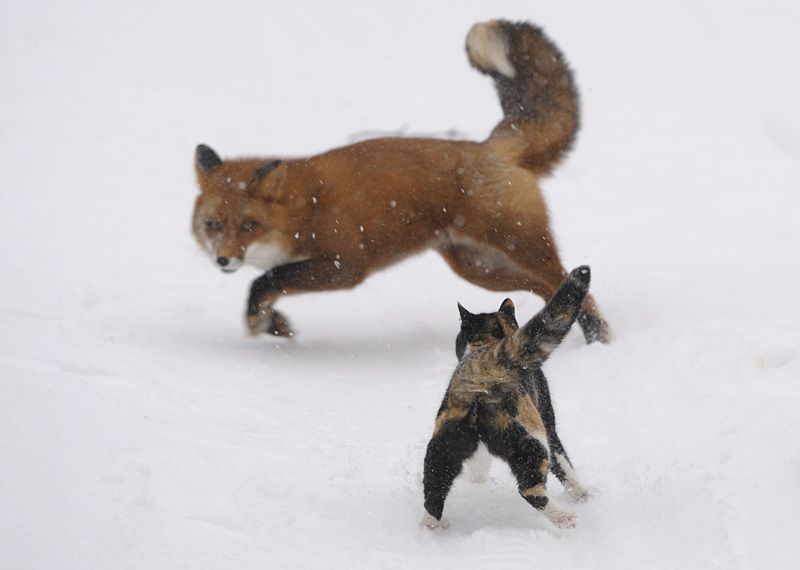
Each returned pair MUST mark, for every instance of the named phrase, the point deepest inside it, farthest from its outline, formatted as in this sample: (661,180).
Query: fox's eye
(247,227)
(213,225)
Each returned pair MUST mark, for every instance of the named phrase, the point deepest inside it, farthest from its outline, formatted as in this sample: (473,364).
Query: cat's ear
(507,308)
(465,314)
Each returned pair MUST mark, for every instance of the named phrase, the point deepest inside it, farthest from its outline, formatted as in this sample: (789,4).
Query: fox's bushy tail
(536,89)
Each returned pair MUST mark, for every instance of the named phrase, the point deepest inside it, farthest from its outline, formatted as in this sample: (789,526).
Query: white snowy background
(141,428)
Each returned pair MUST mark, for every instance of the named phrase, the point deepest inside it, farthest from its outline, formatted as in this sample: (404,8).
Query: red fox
(328,221)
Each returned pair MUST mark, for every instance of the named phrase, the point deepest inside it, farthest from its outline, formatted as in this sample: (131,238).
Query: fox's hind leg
(532,246)
(453,441)
(488,267)
(516,224)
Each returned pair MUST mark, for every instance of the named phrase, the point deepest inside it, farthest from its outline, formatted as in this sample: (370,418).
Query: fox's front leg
(319,274)
(261,317)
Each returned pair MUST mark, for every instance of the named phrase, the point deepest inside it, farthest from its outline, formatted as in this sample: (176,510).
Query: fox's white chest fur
(267,256)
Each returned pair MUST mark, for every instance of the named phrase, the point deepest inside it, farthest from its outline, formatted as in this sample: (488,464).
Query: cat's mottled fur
(499,396)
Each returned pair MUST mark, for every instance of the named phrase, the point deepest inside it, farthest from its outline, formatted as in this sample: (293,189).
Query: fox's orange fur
(327,221)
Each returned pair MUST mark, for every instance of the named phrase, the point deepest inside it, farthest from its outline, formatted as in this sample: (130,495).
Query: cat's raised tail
(538,338)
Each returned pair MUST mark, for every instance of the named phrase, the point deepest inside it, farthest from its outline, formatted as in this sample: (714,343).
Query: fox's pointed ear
(262,172)
(205,158)
(267,181)
(463,312)
(507,307)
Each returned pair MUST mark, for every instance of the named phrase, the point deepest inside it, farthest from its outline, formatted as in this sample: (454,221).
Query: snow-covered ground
(141,428)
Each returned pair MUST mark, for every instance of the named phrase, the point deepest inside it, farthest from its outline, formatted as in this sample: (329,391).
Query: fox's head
(484,328)
(238,212)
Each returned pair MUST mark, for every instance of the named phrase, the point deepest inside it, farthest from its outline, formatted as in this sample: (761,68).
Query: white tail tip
(487,49)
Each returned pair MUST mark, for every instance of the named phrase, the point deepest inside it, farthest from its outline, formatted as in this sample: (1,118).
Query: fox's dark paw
(259,322)
(267,321)
(279,325)
(594,328)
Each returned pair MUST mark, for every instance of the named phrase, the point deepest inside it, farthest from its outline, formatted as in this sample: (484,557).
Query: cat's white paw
(576,491)
(429,521)
(559,516)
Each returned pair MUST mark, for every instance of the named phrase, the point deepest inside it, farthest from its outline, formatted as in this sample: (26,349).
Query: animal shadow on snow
(369,346)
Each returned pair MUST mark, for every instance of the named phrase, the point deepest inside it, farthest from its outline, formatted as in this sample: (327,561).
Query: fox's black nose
(223,261)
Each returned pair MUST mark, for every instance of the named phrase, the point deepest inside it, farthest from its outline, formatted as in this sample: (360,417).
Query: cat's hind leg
(453,442)
(560,465)
(528,460)
(562,468)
